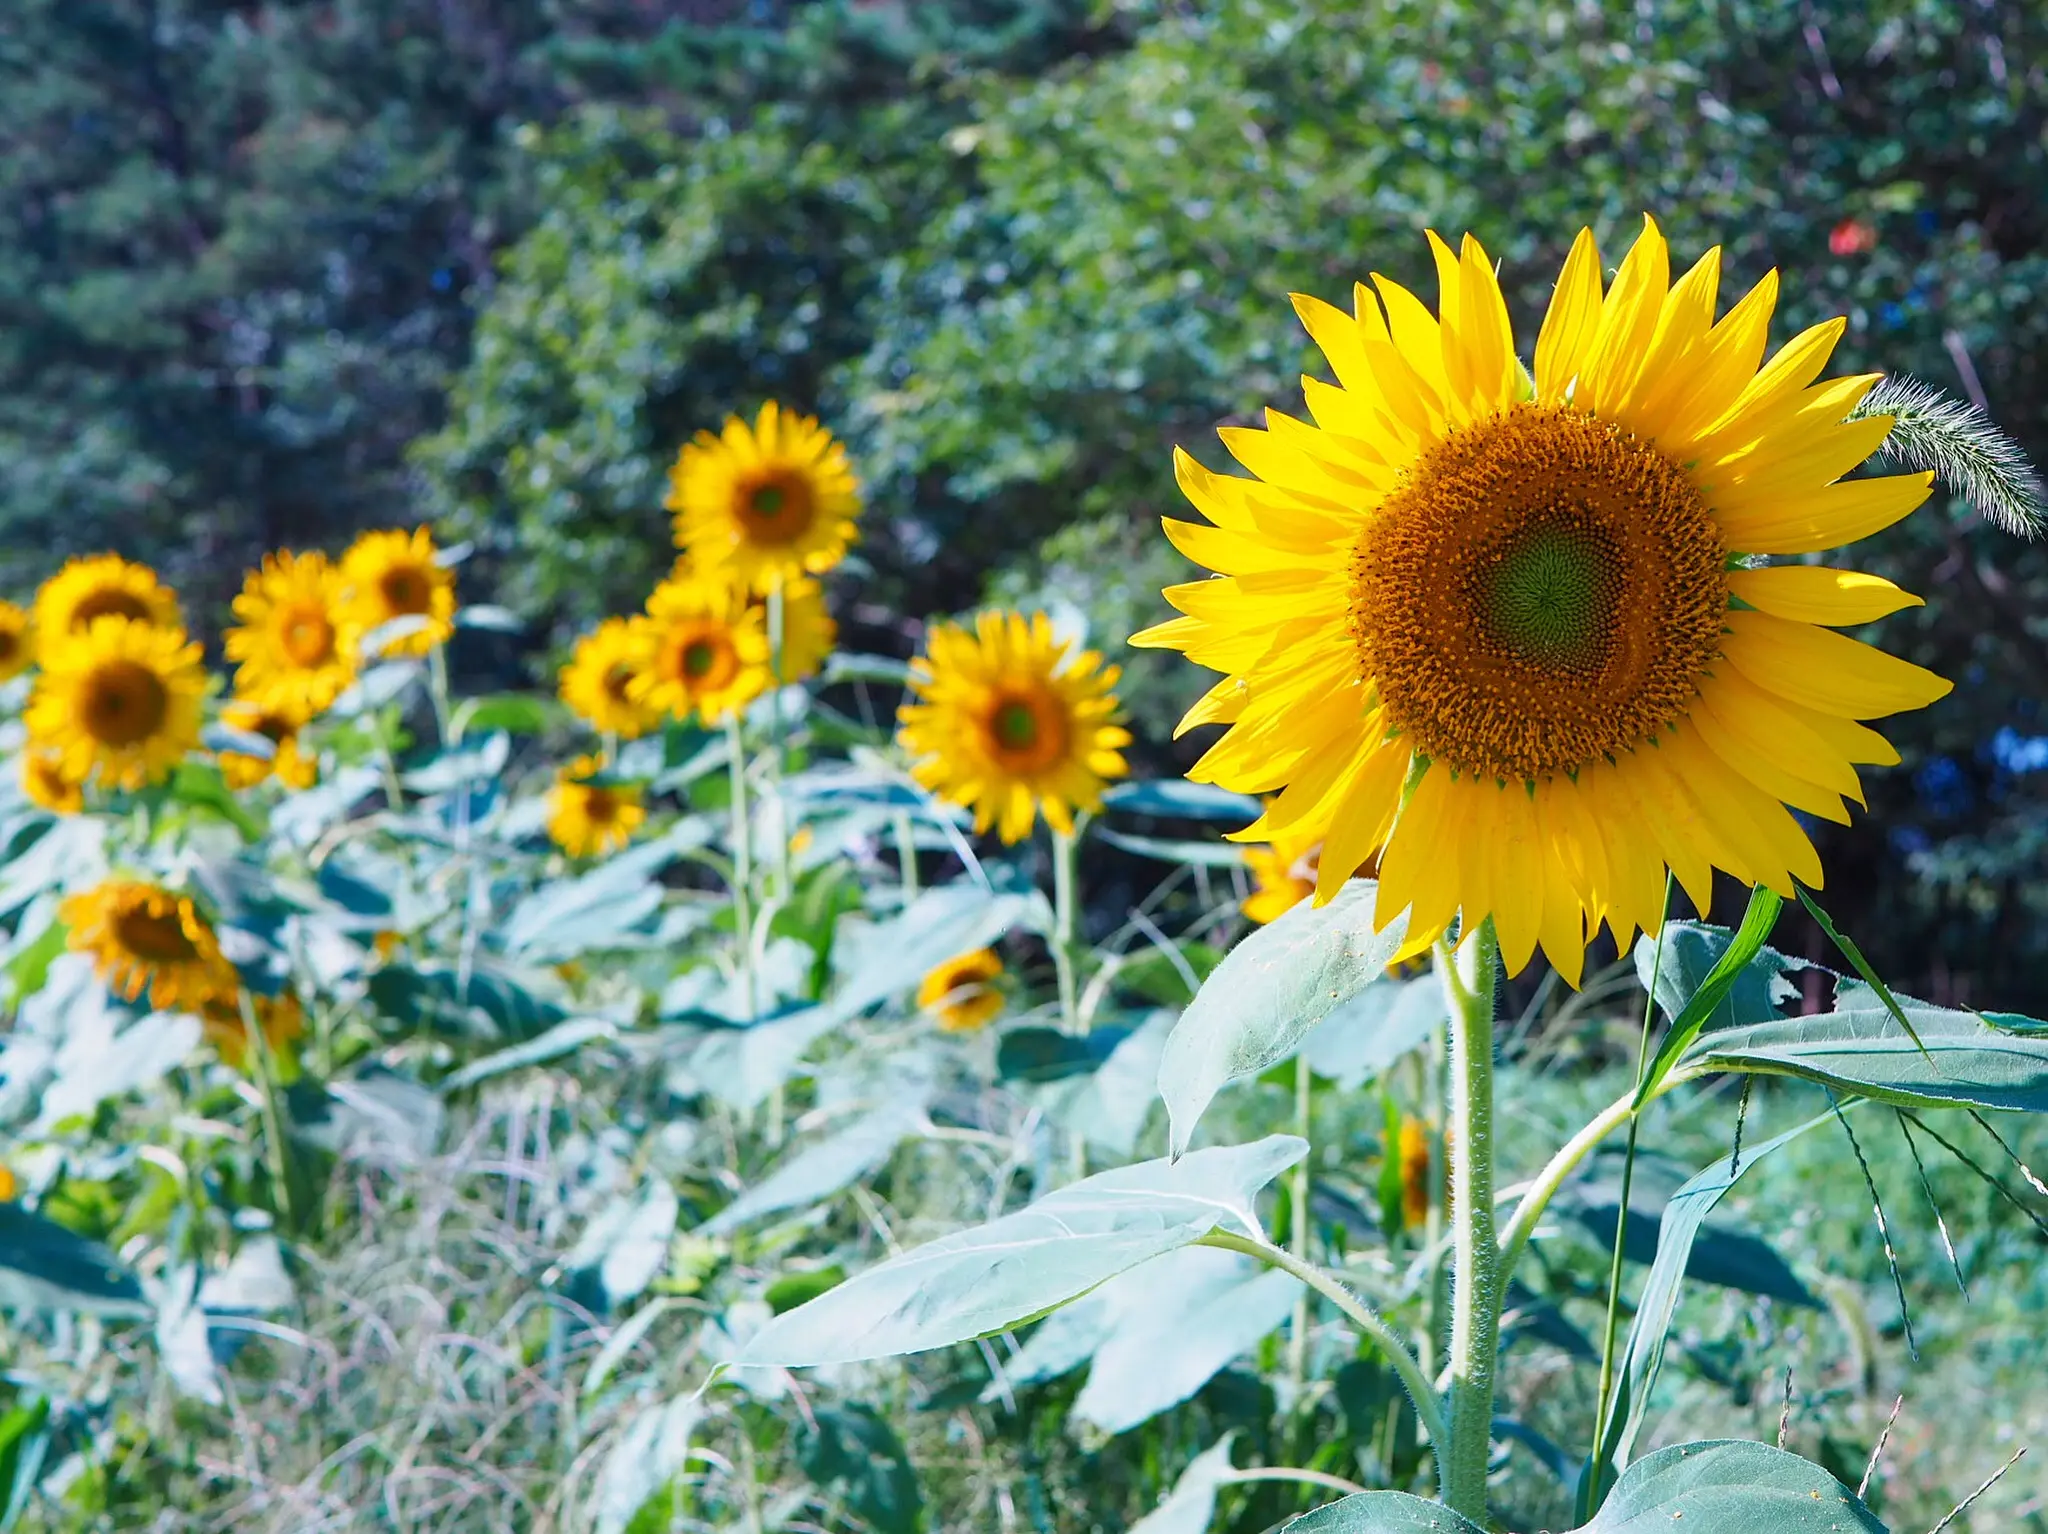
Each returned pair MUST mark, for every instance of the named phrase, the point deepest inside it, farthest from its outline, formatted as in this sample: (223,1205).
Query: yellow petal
(1763,768)
(1826,518)
(1817,594)
(1717,376)
(1763,722)
(1826,672)
(1569,325)
(1627,321)
(1518,880)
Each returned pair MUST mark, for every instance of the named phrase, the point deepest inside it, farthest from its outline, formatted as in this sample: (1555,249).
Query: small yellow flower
(390,575)
(759,506)
(596,684)
(387,943)
(17,641)
(1008,722)
(10,1188)
(808,632)
(1414,1153)
(589,819)
(281,1017)
(102,586)
(296,643)
(288,763)
(961,993)
(709,654)
(147,939)
(118,703)
(46,783)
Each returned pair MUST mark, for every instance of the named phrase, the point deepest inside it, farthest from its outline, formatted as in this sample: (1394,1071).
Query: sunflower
(597,681)
(391,575)
(707,651)
(17,642)
(296,643)
(46,783)
(587,818)
(1009,723)
(102,586)
(281,1017)
(118,703)
(762,505)
(1412,1153)
(1285,872)
(961,993)
(145,938)
(288,763)
(1515,633)
(808,632)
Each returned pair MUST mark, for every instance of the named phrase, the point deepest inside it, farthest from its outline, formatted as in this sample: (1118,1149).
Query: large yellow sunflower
(46,783)
(119,703)
(808,632)
(17,641)
(1513,632)
(288,762)
(145,938)
(390,575)
(1008,722)
(761,505)
(708,652)
(596,684)
(102,586)
(296,642)
(960,994)
(587,818)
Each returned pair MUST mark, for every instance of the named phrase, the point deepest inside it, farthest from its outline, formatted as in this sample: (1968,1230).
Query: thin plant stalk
(906,855)
(1298,1232)
(1066,924)
(267,1090)
(742,864)
(438,693)
(1468,976)
(778,624)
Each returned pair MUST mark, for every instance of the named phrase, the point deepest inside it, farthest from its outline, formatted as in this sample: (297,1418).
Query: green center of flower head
(698,658)
(1550,597)
(767,500)
(1016,727)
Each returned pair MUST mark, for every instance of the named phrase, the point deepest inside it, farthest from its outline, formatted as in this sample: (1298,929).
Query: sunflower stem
(742,863)
(437,692)
(266,1091)
(1065,924)
(1467,972)
(778,623)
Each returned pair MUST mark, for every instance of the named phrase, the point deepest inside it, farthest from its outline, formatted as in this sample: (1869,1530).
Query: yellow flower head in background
(1413,1151)
(10,1186)
(118,703)
(17,642)
(597,682)
(288,763)
(1285,872)
(390,575)
(102,586)
(46,783)
(145,939)
(295,641)
(961,994)
(588,819)
(1008,722)
(808,632)
(281,1017)
(758,506)
(1506,631)
(708,652)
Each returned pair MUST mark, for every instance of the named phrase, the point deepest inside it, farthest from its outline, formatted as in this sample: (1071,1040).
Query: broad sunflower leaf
(999,1275)
(1268,993)
(1729,1486)
(1381,1512)
(1714,990)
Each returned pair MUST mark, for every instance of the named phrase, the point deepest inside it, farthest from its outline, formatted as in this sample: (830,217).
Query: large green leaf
(1381,1512)
(1716,988)
(852,1454)
(1729,1486)
(1268,993)
(997,1275)
(487,1003)
(44,1266)
(1860,1048)
(1178,799)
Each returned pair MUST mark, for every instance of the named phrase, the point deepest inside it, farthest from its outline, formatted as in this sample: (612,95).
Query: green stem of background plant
(275,1150)
(1468,974)
(906,856)
(1065,922)
(1298,1228)
(437,691)
(742,863)
(785,854)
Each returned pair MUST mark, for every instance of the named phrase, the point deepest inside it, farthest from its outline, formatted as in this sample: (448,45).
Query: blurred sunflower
(1008,722)
(102,586)
(17,641)
(761,505)
(281,1017)
(146,939)
(1285,873)
(289,764)
(597,682)
(708,653)
(1413,1153)
(295,642)
(1508,631)
(587,819)
(46,783)
(390,575)
(961,994)
(119,703)
(10,1186)
(808,632)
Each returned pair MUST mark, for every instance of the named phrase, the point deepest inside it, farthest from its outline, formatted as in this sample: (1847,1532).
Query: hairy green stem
(1369,1321)
(1467,972)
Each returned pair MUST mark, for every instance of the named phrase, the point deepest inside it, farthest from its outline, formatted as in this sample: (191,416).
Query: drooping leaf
(1729,1486)
(818,1171)
(1179,799)
(489,1002)
(1192,1503)
(994,1276)
(1267,994)
(1166,849)
(46,1267)
(1053,1054)
(562,1039)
